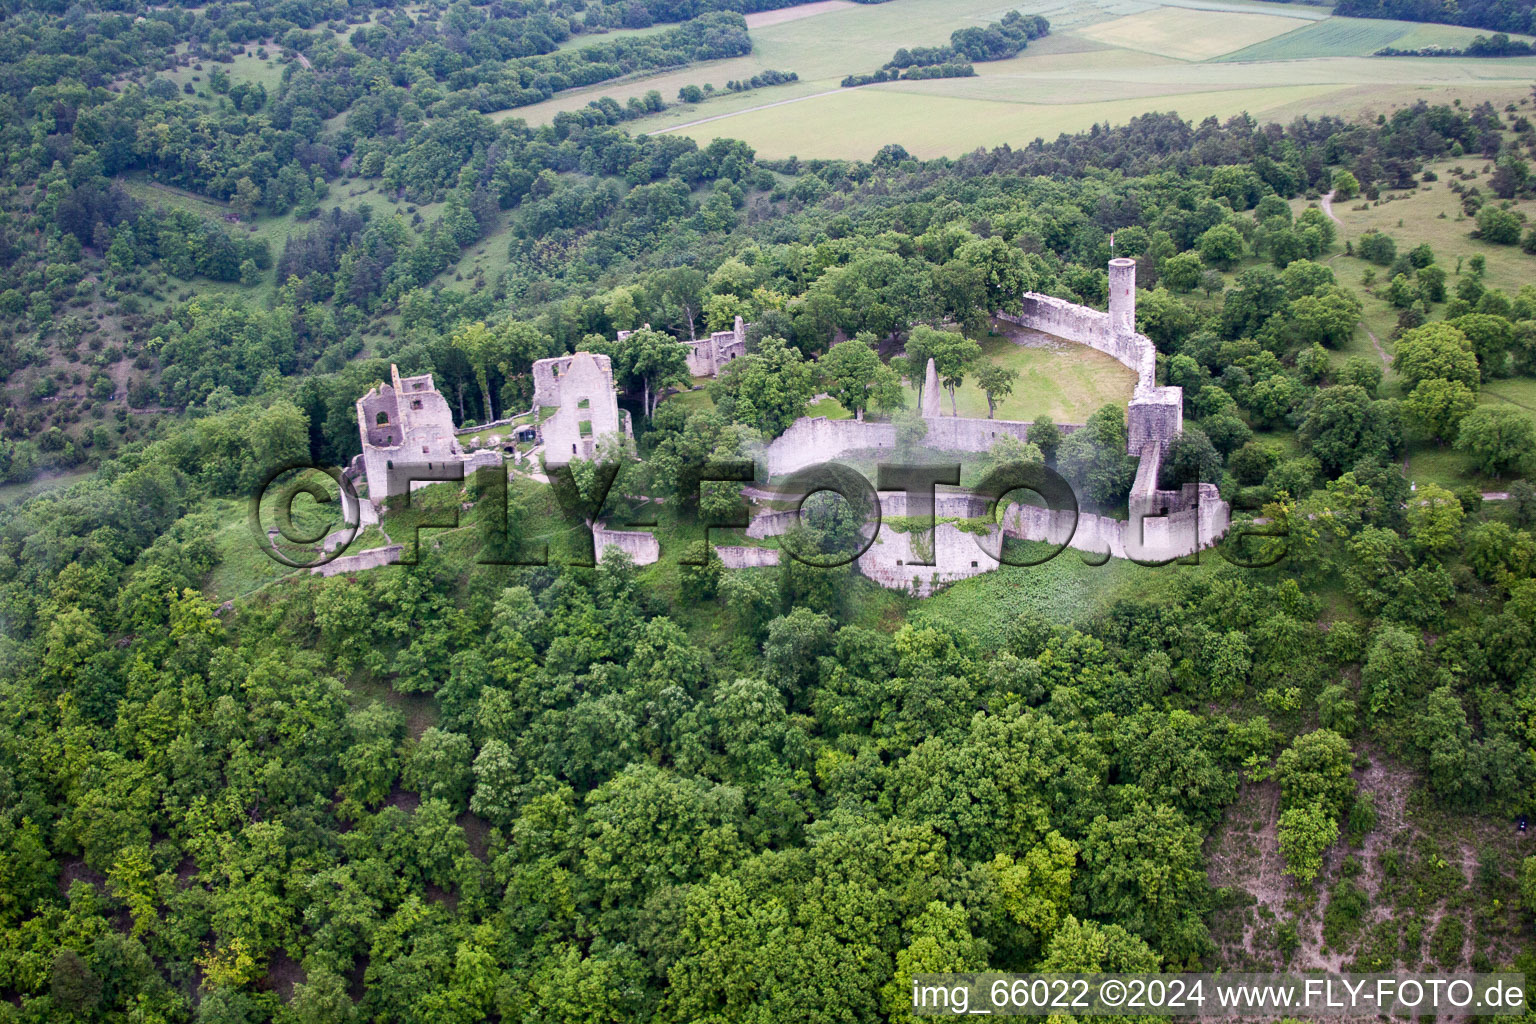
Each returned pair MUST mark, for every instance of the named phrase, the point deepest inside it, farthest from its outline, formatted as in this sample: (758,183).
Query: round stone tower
(1122,296)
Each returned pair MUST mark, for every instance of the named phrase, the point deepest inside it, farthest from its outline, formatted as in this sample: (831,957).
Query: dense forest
(454,791)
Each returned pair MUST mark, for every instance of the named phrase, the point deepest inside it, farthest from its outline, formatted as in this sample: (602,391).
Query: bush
(1497,226)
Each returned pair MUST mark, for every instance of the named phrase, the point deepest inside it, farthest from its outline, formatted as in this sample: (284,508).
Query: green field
(1353,37)
(1106,62)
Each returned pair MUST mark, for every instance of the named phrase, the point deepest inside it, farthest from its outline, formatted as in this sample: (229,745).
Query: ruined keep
(708,356)
(404,423)
(580,389)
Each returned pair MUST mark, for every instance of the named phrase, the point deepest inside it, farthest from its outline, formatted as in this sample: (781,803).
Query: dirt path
(748,110)
(1376,344)
(1327,204)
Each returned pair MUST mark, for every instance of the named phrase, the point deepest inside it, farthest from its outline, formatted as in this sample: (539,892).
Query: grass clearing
(1189,34)
(1064,589)
(43,482)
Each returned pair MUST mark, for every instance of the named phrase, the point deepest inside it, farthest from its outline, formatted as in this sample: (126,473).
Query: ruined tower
(404,423)
(1122,296)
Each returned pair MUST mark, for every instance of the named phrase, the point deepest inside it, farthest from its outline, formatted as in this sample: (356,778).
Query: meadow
(1107,61)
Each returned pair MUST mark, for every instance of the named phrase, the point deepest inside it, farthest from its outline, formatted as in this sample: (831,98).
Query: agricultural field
(1105,62)
(1188,34)
(1353,37)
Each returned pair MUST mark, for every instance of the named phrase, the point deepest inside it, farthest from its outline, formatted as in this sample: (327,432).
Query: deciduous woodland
(447,791)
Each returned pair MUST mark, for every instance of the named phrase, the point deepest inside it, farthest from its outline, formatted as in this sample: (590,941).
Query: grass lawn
(693,401)
(1064,381)
(1432,213)
(831,408)
(1353,37)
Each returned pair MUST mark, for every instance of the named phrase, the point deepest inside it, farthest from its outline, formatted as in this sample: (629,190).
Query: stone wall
(642,547)
(739,557)
(900,561)
(771,524)
(1155,416)
(962,434)
(815,439)
(404,423)
(1083,326)
(1155,413)
(373,558)
(708,356)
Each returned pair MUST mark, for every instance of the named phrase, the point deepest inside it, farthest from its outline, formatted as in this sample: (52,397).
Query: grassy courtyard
(1063,381)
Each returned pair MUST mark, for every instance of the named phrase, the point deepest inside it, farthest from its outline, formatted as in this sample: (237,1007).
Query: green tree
(1345,185)
(1435,350)
(439,767)
(1304,833)
(1221,246)
(1182,273)
(1314,771)
(1437,407)
(1045,435)
(766,390)
(1144,870)
(1094,458)
(1434,518)
(479,347)
(996,382)
(654,361)
(953,355)
(853,374)
(1500,440)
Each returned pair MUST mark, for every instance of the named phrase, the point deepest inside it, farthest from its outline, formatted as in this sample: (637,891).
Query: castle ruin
(580,389)
(708,356)
(1163,524)
(407,424)
(402,424)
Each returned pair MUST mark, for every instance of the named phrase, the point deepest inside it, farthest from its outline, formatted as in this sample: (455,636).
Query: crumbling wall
(708,356)
(771,524)
(895,560)
(741,557)
(962,434)
(814,439)
(373,558)
(417,429)
(1083,326)
(583,393)
(642,546)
